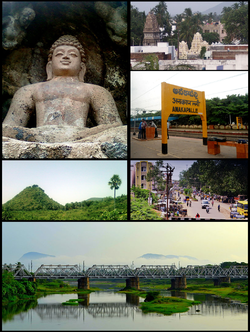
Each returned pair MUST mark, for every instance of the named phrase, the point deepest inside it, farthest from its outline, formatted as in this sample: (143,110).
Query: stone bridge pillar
(219,280)
(83,283)
(133,282)
(178,283)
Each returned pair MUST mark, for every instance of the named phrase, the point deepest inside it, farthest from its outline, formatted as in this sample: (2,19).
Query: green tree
(203,51)
(152,62)
(211,37)
(163,17)
(235,19)
(115,183)
(137,21)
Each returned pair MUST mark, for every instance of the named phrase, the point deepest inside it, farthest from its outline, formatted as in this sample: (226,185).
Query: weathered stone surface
(111,144)
(14,149)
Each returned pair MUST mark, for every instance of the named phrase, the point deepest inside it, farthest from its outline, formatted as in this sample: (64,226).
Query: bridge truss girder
(124,271)
(110,271)
(60,271)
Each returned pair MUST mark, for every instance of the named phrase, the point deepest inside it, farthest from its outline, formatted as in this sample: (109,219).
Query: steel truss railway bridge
(178,276)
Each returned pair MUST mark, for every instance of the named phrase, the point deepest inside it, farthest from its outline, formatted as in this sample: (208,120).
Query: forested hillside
(33,204)
(32,198)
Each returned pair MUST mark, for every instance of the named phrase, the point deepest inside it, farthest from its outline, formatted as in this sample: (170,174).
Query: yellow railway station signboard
(179,100)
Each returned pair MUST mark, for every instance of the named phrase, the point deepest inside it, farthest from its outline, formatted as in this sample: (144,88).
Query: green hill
(32,198)
(95,199)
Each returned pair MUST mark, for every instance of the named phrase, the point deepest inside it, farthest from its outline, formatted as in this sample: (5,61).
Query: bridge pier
(83,283)
(33,279)
(133,282)
(178,283)
(219,280)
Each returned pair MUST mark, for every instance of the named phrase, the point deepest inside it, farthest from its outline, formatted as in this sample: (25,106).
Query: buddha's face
(66,61)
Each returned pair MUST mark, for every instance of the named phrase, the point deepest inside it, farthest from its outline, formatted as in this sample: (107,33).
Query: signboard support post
(179,100)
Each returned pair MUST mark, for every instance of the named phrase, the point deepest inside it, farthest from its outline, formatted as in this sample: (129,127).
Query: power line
(245,87)
(153,88)
(227,78)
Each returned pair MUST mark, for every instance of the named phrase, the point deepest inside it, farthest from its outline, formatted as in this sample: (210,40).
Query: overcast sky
(64,181)
(179,165)
(178,7)
(146,85)
(124,242)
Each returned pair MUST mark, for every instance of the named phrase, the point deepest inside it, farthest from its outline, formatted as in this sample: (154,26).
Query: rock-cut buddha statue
(63,102)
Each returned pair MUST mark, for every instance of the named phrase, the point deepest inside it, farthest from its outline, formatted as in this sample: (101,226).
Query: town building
(139,173)
(217,27)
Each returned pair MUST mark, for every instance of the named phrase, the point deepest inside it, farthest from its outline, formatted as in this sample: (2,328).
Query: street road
(213,211)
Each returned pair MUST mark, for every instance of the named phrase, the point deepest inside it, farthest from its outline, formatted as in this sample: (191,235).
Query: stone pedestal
(83,283)
(133,282)
(109,144)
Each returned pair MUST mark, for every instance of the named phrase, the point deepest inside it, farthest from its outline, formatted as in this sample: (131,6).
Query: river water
(107,310)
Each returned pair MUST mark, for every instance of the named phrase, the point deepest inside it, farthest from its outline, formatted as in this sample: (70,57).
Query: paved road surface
(178,148)
(213,211)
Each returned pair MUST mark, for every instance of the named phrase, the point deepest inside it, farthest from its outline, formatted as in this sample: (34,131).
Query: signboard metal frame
(180,100)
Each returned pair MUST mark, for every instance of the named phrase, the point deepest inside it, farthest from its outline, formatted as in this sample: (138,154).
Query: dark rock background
(30,28)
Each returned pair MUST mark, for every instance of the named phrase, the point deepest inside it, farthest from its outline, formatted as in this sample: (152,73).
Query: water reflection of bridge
(58,311)
(52,311)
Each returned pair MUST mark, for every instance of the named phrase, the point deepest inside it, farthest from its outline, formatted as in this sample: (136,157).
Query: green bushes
(86,210)
(140,210)
(13,290)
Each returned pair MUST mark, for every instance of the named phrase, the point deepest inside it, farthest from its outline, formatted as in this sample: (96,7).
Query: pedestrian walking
(190,203)
(219,207)
(155,126)
(140,132)
(187,203)
(212,203)
(143,128)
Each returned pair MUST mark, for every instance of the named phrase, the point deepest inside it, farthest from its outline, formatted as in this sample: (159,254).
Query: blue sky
(64,181)
(124,242)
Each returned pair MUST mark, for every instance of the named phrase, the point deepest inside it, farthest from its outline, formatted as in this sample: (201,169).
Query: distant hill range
(218,8)
(157,256)
(33,255)
(32,198)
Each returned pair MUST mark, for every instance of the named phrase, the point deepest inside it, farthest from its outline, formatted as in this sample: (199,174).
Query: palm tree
(115,183)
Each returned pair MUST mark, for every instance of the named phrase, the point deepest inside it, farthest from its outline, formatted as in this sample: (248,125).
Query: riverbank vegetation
(160,304)
(14,290)
(17,290)
(236,290)
(45,287)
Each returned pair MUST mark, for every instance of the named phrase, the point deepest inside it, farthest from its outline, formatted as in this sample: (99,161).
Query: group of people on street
(142,128)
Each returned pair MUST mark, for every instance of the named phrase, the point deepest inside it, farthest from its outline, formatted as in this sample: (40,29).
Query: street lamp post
(169,171)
